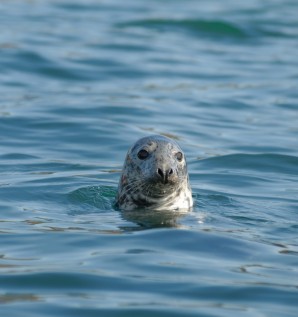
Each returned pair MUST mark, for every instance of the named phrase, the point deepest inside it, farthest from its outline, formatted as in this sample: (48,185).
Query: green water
(80,82)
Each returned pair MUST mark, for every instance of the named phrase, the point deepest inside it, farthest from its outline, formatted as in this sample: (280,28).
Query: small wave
(214,27)
(32,62)
(17,156)
(261,162)
(101,197)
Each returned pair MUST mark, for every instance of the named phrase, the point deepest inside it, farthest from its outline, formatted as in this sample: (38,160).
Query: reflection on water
(147,219)
(11,298)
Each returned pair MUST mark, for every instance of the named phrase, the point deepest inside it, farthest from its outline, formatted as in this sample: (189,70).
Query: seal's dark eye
(143,154)
(179,156)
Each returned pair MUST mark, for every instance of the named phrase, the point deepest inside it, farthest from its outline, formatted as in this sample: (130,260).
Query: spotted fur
(159,181)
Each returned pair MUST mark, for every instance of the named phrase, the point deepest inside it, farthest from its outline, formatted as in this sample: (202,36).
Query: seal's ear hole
(179,156)
(143,154)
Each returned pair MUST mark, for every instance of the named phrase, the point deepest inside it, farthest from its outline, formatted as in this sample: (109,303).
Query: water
(80,81)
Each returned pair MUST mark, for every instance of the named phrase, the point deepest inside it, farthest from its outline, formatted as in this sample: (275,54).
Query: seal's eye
(179,156)
(143,154)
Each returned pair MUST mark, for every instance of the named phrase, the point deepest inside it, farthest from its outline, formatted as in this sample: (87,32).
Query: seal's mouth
(159,189)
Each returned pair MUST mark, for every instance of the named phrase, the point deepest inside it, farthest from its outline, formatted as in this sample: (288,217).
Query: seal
(154,176)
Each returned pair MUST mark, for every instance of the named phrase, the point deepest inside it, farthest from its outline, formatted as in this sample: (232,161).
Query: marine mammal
(154,176)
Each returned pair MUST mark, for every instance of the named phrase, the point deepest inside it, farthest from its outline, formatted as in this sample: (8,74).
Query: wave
(277,163)
(211,27)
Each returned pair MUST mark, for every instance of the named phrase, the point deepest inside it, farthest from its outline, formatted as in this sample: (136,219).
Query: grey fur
(159,181)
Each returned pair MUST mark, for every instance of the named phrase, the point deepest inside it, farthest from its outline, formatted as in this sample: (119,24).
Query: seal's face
(154,174)
(160,165)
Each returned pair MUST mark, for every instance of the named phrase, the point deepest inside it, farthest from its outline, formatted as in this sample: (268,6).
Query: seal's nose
(164,174)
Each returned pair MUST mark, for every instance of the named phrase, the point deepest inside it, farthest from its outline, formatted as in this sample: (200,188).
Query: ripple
(17,156)
(101,197)
(33,62)
(212,27)
(81,81)
(269,163)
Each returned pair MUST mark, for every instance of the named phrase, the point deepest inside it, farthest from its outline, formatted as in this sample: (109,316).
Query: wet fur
(140,186)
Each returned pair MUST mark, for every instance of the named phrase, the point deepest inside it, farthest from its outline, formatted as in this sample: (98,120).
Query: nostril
(160,172)
(170,171)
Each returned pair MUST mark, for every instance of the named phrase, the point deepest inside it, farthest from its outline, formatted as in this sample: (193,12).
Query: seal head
(154,176)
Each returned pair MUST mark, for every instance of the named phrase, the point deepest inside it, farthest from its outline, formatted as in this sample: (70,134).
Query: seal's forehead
(155,139)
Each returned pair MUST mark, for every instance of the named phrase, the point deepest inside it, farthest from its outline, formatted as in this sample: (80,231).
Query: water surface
(80,82)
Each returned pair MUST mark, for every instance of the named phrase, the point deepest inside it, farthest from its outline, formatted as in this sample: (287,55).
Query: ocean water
(80,82)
